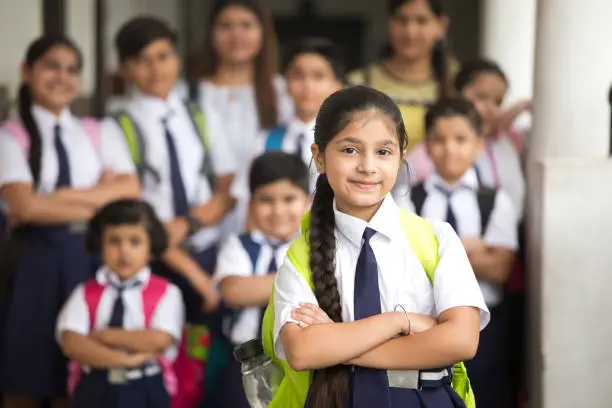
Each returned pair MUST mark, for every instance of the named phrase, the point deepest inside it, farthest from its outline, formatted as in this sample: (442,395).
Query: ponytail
(330,385)
(439,62)
(25,113)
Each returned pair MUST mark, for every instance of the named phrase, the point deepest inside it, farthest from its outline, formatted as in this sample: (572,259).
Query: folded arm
(90,352)
(246,291)
(221,203)
(454,339)
(137,341)
(26,206)
(492,264)
(118,187)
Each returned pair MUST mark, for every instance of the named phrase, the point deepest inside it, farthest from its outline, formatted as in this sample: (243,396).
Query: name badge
(117,376)
(403,379)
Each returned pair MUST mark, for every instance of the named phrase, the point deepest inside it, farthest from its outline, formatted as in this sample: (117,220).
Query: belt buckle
(403,379)
(117,376)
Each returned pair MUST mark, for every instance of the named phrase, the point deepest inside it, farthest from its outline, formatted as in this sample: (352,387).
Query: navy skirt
(94,391)
(46,263)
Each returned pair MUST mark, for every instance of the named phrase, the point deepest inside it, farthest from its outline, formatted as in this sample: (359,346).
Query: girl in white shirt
(345,328)
(55,171)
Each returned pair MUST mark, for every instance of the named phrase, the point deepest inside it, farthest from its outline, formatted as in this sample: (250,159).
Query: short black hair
(319,46)
(138,33)
(471,70)
(127,212)
(275,166)
(455,106)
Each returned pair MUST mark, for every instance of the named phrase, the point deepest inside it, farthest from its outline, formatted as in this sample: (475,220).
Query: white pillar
(508,38)
(569,207)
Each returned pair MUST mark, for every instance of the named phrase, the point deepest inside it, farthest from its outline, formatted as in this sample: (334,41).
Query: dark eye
(384,152)
(290,199)
(349,150)
(135,241)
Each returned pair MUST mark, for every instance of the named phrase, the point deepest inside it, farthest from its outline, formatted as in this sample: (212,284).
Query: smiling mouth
(364,185)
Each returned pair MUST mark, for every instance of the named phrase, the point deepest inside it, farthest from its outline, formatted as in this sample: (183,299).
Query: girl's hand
(412,323)
(309,314)
(106,176)
(207,290)
(177,231)
(473,244)
(138,359)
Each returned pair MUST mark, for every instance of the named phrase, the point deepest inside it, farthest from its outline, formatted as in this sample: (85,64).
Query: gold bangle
(407,319)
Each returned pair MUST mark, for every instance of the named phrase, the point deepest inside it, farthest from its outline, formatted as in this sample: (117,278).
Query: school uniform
(121,306)
(49,260)
(298,139)
(237,108)
(459,206)
(500,167)
(174,154)
(399,279)
(252,254)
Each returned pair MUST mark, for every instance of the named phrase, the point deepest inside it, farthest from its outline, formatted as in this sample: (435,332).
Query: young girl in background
(55,171)
(416,68)
(238,79)
(363,268)
(123,326)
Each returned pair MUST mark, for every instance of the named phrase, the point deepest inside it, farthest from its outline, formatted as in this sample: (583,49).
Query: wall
(20,23)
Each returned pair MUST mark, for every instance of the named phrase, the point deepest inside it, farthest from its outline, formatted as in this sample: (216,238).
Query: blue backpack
(274,140)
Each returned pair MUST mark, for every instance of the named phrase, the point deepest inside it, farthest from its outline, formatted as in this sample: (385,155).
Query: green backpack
(293,390)
(135,141)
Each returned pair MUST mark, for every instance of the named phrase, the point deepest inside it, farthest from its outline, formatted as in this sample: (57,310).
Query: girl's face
(361,162)
(126,249)
(414,30)
(155,70)
(487,93)
(54,78)
(237,35)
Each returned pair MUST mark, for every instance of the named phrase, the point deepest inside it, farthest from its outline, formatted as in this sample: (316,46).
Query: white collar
(105,276)
(47,120)
(469,180)
(154,107)
(385,222)
(259,237)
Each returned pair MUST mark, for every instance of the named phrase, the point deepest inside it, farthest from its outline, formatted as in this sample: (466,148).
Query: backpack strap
(422,241)
(193,90)
(199,123)
(92,291)
(92,128)
(135,141)
(418,195)
(252,248)
(486,201)
(20,134)
(274,139)
(151,295)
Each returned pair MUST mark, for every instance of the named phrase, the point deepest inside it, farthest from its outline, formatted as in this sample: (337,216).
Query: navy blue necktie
(179,195)
(116,319)
(300,141)
(450,214)
(369,386)
(273,268)
(63,164)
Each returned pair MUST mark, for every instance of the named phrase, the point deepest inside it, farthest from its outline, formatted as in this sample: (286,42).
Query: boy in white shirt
(247,263)
(314,70)
(484,219)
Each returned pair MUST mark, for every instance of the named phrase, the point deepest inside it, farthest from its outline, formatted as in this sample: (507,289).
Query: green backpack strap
(135,140)
(199,123)
(422,239)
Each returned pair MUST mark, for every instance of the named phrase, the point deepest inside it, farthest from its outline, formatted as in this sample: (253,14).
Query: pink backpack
(90,126)
(151,295)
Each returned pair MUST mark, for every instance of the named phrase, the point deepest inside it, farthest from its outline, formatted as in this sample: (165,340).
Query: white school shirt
(86,163)
(234,260)
(500,166)
(169,315)
(502,228)
(401,278)
(149,113)
(238,111)
(240,188)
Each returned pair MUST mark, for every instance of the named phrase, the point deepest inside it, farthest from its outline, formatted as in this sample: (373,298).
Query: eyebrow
(354,140)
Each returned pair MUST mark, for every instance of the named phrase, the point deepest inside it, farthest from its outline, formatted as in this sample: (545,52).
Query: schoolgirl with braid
(373,305)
